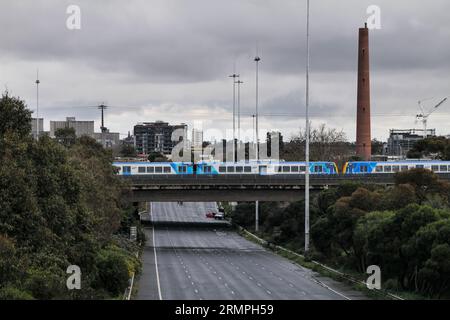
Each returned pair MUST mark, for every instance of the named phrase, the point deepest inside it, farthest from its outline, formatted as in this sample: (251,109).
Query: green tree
(14,117)
(157,157)
(128,151)
(66,136)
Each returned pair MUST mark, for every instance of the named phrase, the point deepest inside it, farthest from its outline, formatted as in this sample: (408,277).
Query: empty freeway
(214,263)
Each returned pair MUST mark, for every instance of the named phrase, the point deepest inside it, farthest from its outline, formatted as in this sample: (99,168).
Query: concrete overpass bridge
(202,188)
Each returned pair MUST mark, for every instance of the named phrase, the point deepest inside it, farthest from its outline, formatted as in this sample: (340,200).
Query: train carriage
(224,168)
(373,167)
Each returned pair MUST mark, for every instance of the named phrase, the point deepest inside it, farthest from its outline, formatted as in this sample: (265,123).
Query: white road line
(156,266)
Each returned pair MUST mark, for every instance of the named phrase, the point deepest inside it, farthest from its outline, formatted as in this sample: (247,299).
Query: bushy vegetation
(404,229)
(431,147)
(60,205)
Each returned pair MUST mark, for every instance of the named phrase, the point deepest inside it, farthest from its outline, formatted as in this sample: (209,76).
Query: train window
(286,169)
(395,168)
(387,169)
(150,169)
(419,166)
(182,169)
(379,169)
(302,168)
(207,169)
(247,169)
(239,169)
(318,169)
(364,169)
(158,169)
(434,168)
(404,168)
(230,169)
(222,169)
(294,168)
(167,170)
(141,169)
(443,168)
(126,169)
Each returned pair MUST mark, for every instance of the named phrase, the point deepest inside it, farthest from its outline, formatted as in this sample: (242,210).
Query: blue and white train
(276,167)
(373,167)
(221,168)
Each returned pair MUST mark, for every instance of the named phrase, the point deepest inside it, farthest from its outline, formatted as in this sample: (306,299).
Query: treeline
(404,229)
(431,147)
(59,206)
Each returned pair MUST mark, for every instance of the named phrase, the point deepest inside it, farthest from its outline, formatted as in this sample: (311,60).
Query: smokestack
(363,136)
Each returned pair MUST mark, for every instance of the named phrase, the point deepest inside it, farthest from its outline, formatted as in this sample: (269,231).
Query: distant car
(210,214)
(219,216)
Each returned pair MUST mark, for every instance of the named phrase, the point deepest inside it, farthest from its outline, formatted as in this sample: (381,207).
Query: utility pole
(234,76)
(37,105)
(307,134)
(257,59)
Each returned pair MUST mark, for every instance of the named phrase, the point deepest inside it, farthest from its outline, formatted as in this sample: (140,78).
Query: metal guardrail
(162,180)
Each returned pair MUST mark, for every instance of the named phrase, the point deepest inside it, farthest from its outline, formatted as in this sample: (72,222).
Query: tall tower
(363,136)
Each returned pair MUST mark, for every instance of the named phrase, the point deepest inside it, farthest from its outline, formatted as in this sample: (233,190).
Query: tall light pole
(37,104)
(253,129)
(234,76)
(257,59)
(239,82)
(307,134)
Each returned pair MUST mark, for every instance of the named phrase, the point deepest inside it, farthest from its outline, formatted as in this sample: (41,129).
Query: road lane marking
(156,265)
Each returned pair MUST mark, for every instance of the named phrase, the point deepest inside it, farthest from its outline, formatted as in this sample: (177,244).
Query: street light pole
(239,82)
(257,59)
(37,105)
(234,76)
(307,134)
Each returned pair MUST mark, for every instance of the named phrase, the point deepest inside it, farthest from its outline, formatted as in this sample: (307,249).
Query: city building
(156,137)
(107,139)
(401,141)
(81,127)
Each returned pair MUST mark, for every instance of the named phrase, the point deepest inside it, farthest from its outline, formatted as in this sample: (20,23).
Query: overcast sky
(170,60)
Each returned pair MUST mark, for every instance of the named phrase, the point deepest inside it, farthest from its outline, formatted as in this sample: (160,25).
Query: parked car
(210,214)
(219,216)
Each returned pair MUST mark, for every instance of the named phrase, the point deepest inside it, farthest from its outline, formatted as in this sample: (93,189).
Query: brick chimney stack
(363,133)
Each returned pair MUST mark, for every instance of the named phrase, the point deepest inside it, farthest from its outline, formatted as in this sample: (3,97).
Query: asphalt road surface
(217,264)
(187,212)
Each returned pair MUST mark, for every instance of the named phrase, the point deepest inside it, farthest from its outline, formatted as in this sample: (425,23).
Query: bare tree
(327,144)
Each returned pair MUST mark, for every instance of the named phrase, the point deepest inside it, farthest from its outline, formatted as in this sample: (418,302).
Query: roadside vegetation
(404,229)
(60,205)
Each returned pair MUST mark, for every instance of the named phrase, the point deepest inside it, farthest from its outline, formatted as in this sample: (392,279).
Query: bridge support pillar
(257,216)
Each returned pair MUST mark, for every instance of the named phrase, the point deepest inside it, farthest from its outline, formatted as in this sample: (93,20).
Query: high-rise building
(156,136)
(363,133)
(81,127)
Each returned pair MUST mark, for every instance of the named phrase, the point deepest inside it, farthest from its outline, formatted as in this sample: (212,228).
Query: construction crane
(424,116)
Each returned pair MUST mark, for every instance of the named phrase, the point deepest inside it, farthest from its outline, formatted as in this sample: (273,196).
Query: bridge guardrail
(256,180)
